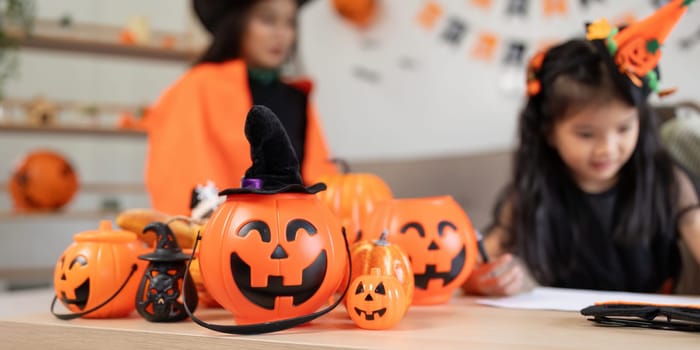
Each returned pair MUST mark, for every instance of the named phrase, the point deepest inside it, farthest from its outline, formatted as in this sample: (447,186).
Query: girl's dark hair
(547,229)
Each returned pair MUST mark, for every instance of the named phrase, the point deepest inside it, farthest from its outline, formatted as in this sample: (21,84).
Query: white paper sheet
(544,298)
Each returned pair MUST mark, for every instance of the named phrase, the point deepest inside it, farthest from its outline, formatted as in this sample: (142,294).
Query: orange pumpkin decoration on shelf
(376,301)
(389,258)
(43,180)
(359,12)
(98,275)
(272,251)
(353,197)
(437,236)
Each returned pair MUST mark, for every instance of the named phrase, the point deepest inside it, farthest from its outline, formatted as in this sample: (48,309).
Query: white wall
(36,242)
(90,78)
(450,103)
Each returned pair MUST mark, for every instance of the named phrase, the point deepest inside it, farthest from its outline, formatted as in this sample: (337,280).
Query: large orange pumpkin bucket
(273,253)
(94,277)
(439,239)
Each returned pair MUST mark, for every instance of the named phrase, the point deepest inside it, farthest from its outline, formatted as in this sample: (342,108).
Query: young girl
(195,130)
(595,202)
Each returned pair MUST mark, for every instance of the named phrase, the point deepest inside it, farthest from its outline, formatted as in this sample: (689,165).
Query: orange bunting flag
(554,7)
(485,48)
(429,15)
(483,4)
(545,44)
(626,18)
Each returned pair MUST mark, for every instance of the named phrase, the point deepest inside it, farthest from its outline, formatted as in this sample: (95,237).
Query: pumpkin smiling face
(312,266)
(639,56)
(94,267)
(76,290)
(438,238)
(267,257)
(376,301)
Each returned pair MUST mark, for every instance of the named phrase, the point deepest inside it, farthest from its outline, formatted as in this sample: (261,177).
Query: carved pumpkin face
(268,257)
(389,258)
(43,181)
(376,301)
(93,268)
(437,236)
(638,56)
(353,197)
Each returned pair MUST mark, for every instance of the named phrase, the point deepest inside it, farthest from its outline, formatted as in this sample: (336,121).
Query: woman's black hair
(548,225)
(227,33)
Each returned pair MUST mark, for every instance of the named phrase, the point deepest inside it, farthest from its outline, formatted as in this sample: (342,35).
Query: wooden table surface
(461,324)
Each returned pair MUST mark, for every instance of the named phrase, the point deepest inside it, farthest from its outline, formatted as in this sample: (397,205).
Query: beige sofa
(474,181)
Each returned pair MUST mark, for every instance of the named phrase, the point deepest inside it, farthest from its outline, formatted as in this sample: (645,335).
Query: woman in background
(195,129)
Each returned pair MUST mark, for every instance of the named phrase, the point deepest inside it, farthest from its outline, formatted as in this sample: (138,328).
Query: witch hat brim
(211,13)
(275,167)
(167,248)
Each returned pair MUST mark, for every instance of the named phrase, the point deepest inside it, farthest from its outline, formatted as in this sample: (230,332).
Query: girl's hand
(503,276)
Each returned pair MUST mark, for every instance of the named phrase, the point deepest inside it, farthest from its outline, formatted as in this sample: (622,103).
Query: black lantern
(159,297)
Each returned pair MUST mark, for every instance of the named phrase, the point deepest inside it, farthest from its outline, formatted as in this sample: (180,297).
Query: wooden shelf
(57,215)
(21,104)
(106,48)
(79,130)
(131,188)
(100,39)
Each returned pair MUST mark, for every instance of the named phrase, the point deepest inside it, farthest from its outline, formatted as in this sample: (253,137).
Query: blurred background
(426,96)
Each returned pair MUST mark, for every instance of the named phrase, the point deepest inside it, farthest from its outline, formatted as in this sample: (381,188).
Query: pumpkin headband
(632,52)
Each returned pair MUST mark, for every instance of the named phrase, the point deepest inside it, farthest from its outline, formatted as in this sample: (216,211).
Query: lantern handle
(266,327)
(66,317)
(342,163)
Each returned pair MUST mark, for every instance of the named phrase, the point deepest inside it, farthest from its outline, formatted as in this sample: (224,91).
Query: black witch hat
(213,12)
(275,166)
(167,249)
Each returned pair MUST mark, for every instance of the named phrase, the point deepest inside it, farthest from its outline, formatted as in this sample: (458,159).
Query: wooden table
(461,324)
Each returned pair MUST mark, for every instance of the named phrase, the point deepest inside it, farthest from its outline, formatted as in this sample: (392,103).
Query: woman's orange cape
(195,134)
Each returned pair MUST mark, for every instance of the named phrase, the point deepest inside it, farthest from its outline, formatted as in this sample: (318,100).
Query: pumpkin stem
(105,225)
(344,166)
(382,238)
(375,271)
